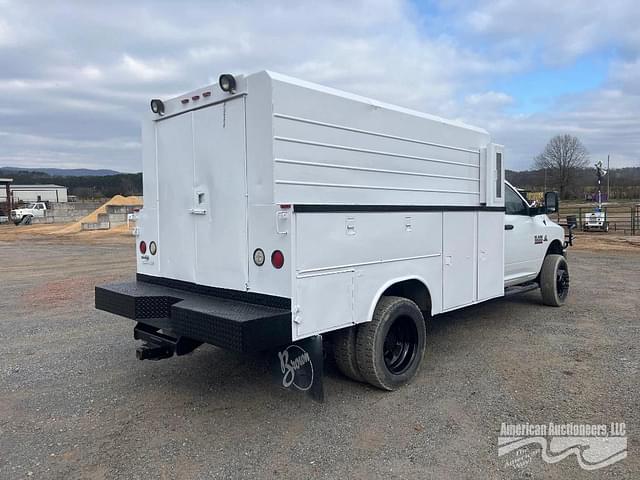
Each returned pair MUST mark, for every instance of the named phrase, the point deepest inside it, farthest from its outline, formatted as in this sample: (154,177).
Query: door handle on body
(508,227)
(198,211)
(282,219)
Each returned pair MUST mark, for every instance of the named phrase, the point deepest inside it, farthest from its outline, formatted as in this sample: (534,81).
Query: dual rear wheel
(387,351)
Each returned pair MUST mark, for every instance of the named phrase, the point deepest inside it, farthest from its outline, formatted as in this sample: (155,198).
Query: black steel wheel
(400,345)
(389,349)
(554,280)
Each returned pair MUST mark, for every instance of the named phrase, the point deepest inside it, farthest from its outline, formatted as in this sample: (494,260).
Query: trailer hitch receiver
(157,346)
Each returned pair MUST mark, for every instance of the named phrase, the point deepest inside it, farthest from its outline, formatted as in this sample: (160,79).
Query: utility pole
(608,180)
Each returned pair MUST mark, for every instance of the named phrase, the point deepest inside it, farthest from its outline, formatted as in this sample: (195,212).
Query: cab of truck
(529,235)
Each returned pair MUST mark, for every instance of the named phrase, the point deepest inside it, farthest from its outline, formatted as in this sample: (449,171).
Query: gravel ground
(75,403)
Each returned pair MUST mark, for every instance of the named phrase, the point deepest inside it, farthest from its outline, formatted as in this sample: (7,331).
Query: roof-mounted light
(227,83)
(157,106)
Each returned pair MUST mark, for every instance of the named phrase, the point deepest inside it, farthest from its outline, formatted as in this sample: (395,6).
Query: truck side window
(513,203)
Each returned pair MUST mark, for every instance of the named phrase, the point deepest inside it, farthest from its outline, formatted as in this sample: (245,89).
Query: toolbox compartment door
(325,302)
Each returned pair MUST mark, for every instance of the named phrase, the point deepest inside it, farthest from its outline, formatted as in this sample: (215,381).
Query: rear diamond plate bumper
(228,319)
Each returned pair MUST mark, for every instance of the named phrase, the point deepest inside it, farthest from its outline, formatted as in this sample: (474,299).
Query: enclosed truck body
(278,210)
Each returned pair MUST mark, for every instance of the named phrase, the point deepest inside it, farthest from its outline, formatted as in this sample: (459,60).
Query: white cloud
(85,78)
(562,31)
(149,71)
(489,99)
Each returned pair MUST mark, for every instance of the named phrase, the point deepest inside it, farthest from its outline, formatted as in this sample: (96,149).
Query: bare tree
(562,156)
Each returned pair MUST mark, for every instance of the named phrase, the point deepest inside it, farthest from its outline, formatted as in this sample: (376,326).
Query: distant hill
(82,185)
(64,172)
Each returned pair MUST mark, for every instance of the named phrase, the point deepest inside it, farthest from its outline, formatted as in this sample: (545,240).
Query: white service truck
(24,215)
(278,211)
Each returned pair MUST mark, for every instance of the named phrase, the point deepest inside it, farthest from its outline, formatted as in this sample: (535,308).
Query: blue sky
(77,76)
(542,87)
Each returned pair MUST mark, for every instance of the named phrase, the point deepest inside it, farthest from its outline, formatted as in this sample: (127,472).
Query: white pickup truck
(24,215)
(279,211)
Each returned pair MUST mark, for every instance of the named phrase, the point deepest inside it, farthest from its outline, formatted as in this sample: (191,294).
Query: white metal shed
(37,193)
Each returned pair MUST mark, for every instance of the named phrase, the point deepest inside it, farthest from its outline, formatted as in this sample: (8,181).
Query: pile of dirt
(76,227)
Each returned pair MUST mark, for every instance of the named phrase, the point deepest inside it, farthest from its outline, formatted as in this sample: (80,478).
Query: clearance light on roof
(184,101)
(227,83)
(157,106)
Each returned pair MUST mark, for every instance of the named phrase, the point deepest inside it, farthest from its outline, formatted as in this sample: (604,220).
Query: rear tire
(344,353)
(554,280)
(391,346)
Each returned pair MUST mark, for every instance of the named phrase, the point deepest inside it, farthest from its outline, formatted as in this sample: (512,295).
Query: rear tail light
(277,259)
(143,247)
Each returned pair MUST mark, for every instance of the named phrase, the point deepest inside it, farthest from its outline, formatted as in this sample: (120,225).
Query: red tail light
(143,247)
(277,259)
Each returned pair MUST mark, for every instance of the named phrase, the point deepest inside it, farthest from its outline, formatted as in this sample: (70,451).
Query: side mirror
(551,202)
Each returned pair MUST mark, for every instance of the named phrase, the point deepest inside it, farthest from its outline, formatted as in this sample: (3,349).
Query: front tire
(391,346)
(554,280)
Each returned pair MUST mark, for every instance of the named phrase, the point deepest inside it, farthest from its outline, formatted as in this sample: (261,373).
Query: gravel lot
(75,403)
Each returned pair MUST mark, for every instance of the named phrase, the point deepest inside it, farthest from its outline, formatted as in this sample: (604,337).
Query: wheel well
(555,248)
(414,290)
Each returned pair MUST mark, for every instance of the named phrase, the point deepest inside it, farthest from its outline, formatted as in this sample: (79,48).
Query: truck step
(525,287)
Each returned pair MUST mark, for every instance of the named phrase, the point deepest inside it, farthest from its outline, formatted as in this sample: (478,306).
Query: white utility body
(361,199)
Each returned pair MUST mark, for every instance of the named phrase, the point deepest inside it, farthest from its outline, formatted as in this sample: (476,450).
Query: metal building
(36,193)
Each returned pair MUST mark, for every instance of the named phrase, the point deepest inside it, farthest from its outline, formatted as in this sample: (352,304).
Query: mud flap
(298,367)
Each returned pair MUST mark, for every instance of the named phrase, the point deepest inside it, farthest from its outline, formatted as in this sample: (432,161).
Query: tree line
(566,167)
(624,182)
(84,187)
